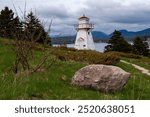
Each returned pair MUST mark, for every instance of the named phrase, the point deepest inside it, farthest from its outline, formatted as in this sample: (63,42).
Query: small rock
(101,77)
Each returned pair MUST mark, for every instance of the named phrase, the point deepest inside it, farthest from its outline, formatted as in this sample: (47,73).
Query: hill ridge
(101,36)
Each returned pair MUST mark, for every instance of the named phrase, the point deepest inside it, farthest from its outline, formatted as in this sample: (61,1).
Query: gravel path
(143,70)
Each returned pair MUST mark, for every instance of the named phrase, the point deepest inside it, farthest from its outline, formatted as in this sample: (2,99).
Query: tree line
(118,43)
(11,26)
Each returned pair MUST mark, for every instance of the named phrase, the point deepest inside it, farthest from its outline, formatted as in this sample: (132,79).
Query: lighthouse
(84,39)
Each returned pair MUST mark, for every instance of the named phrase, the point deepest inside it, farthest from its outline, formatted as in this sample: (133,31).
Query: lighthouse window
(84,45)
(88,33)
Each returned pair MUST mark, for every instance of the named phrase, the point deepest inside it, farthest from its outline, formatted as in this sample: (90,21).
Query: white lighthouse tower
(84,39)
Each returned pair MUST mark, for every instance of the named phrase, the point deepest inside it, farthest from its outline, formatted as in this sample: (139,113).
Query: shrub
(140,47)
(118,43)
(127,55)
(86,56)
(110,58)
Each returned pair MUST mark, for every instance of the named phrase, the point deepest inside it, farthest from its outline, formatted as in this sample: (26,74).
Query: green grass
(143,62)
(55,84)
(138,87)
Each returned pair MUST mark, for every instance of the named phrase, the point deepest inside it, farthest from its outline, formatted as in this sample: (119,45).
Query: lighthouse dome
(84,23)
(83,17)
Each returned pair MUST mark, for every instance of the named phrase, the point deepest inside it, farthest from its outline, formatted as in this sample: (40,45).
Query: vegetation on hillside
(140,47)
(55,83)
(7,24)
(85,56)
(118,43)
(29,70)
(29,26)
(25,32)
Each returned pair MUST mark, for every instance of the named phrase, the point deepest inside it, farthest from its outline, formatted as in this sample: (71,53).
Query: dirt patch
(143,70)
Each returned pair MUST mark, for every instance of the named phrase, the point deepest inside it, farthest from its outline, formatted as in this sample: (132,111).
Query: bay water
(98,46)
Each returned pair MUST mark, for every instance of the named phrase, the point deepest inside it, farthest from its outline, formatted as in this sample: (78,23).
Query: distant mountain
(101,36)
(63,40)
(145,32)
(130,34)
(127,34)
(97,36)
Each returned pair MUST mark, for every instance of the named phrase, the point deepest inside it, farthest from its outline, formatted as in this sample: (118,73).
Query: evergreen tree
(6,22)
(34,29)
(118,43)
(30,29)
(140,47)
(17,28)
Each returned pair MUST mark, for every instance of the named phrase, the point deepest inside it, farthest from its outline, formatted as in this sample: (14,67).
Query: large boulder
(101,77)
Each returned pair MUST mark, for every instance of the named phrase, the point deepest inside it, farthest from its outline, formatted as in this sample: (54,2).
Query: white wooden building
(84,39)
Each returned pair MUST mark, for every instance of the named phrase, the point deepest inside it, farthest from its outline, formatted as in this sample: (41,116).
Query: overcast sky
(107,15)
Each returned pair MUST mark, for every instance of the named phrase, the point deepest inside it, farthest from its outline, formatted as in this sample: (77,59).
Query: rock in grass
(101,77)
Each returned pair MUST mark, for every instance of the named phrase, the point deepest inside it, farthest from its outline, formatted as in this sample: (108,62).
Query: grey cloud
(110,14)
(139,17)
(106,15)
(58,12)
